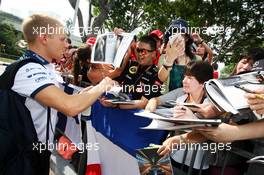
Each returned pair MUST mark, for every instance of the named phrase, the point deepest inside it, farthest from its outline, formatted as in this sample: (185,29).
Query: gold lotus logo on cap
(133,69)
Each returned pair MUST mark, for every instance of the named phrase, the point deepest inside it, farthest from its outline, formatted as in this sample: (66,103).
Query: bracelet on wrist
(167,67)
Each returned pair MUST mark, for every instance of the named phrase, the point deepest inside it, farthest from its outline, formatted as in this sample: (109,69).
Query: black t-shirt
(138,81)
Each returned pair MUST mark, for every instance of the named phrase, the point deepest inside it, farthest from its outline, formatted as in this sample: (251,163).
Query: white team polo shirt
(29,80)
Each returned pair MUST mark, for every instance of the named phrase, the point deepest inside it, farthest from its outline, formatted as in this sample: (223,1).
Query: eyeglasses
(143,51)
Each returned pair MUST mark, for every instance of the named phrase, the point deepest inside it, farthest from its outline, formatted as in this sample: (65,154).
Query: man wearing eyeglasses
(140,78)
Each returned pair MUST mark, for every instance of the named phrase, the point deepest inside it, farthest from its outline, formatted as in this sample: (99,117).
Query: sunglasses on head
(140,50)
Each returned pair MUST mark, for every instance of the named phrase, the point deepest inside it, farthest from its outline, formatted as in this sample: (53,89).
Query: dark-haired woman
(202,50)
(81,66)
(178,54)
(195,74)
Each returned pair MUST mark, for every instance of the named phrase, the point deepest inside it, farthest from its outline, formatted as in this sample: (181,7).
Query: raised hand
(196,37)
(175,48)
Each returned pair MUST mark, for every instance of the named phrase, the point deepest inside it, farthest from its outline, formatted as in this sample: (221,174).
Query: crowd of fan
(156,68)
(177,64)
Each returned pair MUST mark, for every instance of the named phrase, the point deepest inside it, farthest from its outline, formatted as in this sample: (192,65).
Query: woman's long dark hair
(188,46)
(83,55)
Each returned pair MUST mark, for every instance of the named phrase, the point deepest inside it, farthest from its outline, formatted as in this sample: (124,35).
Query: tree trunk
(104,11)
(90,13)
(80,20)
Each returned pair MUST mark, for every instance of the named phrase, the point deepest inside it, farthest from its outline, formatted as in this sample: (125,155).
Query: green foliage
(125,14)
(96,11)
(7,60)
(228,69)
(235,25)
(245,20)
(238,24)
(4,15)
(155,15)
(8,40)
